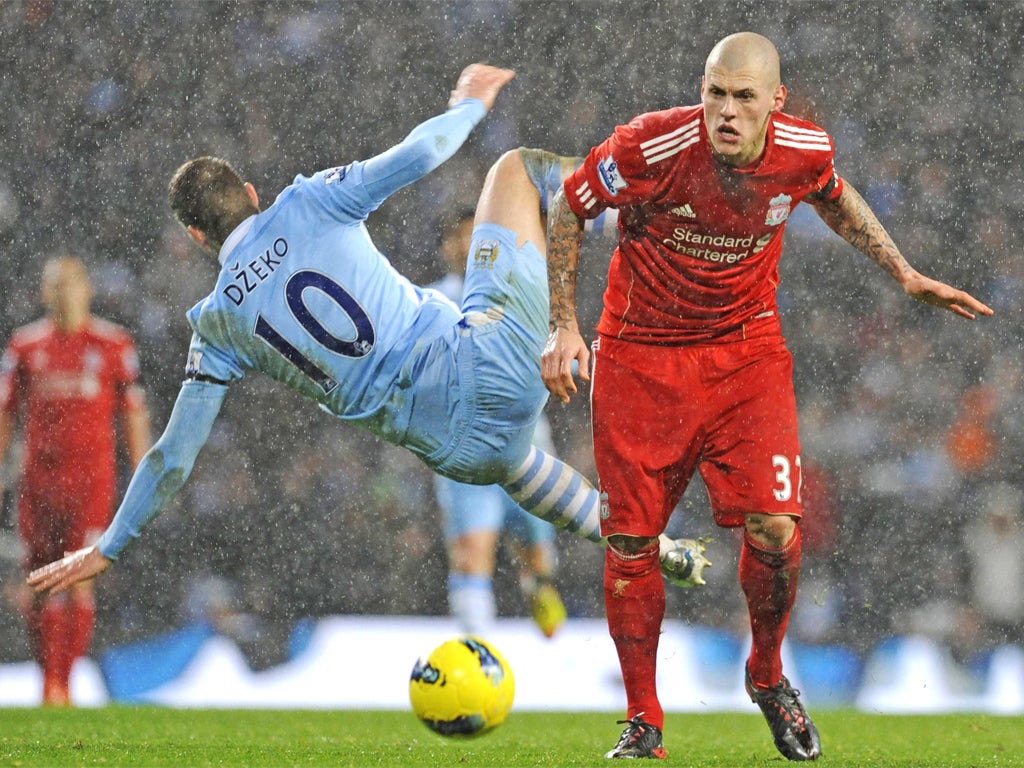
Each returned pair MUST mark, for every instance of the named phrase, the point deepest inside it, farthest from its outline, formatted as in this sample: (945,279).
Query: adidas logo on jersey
(685,211)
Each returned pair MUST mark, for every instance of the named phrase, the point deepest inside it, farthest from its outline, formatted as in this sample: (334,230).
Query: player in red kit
(69,376)
(691,372)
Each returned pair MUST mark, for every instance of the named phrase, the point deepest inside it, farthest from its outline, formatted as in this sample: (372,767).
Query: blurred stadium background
(911,418)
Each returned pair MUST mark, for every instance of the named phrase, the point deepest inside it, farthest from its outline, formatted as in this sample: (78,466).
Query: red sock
(33,614)
(769,578)
(634,598)
(54,644)
(81,621)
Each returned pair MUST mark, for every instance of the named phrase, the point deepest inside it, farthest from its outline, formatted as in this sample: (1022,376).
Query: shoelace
(788,702)
(635,728)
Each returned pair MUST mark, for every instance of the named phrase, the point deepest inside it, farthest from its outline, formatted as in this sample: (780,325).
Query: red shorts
(52,523)
(662,412)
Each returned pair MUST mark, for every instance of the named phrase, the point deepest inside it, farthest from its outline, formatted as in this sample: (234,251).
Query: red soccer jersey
(699,242)
(70,387)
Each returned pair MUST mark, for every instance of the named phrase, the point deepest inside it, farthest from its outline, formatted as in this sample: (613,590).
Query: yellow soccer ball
(463,688)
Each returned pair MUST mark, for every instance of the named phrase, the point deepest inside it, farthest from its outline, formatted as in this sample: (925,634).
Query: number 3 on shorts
(783,476)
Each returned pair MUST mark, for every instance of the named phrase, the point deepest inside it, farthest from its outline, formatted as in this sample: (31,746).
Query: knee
(510,199)
(473,553)
(631,571)
(509,166)
(629,545)
(770,531)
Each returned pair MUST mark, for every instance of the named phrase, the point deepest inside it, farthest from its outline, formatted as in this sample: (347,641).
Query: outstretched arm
(159,476)
(565,342)
(851,218)
(435,140)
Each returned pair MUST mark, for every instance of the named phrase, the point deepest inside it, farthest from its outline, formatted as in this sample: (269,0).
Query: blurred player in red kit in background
(68,375)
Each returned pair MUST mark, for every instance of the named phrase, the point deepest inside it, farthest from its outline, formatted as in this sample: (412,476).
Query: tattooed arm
(565,343)
(851,218)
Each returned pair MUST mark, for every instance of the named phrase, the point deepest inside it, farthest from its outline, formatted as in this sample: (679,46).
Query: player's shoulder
(31,333)
(664,133)
(327,190)
(667,123)
(109,331)
(799,135)
(326,180)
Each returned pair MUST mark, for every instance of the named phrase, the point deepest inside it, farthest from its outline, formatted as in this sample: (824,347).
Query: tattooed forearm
(565,235)
(851,218)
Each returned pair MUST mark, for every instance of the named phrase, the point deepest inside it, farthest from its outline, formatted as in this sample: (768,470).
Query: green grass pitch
(150,736)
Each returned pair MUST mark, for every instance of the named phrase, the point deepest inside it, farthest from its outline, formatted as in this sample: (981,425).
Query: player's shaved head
(740,90)
(65,290)
(64,266)
(746,52)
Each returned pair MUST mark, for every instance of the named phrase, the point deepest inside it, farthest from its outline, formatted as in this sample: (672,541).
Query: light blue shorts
(505,302)
(467,508)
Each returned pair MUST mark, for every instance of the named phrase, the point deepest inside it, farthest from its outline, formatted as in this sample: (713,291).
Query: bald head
(740,90)
(746,52)
(66,291)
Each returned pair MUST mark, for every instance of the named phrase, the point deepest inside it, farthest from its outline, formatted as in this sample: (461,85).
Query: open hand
(480,81)
(74,567)
(945,296)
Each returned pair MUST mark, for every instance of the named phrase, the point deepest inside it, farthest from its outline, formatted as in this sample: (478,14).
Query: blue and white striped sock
(550,489)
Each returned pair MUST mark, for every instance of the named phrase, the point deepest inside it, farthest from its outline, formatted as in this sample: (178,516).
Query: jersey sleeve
(209,362)
(9,378)
(357,189)
(166,466)
(829,185)
(614,174)
(130,393)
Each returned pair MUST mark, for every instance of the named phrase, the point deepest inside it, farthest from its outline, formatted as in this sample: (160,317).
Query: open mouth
(728,133)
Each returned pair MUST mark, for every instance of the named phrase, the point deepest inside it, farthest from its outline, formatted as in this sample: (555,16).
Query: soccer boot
(794,732)
(547,609)
(638,739)
(683,561)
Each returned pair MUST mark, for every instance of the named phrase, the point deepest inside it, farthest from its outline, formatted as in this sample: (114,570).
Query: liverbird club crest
(778,210)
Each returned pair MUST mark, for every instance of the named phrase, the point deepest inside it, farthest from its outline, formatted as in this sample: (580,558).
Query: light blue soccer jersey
(305,297)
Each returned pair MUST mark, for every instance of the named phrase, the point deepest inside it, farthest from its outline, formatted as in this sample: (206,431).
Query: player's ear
(252,195)
(779,98)
(196,234)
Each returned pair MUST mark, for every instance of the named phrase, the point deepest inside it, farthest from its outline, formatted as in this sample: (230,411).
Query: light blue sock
(471,602)
(548,171)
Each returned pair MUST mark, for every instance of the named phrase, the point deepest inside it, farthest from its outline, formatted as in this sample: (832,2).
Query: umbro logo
(685,211)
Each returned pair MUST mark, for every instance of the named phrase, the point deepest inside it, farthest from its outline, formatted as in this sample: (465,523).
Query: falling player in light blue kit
(304,297)
(474,517)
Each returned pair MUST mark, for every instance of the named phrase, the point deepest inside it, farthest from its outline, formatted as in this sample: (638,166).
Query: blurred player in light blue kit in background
(305,297)
(475,515)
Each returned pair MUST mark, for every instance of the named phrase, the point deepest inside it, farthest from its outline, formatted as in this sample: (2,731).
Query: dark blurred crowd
(910,417)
